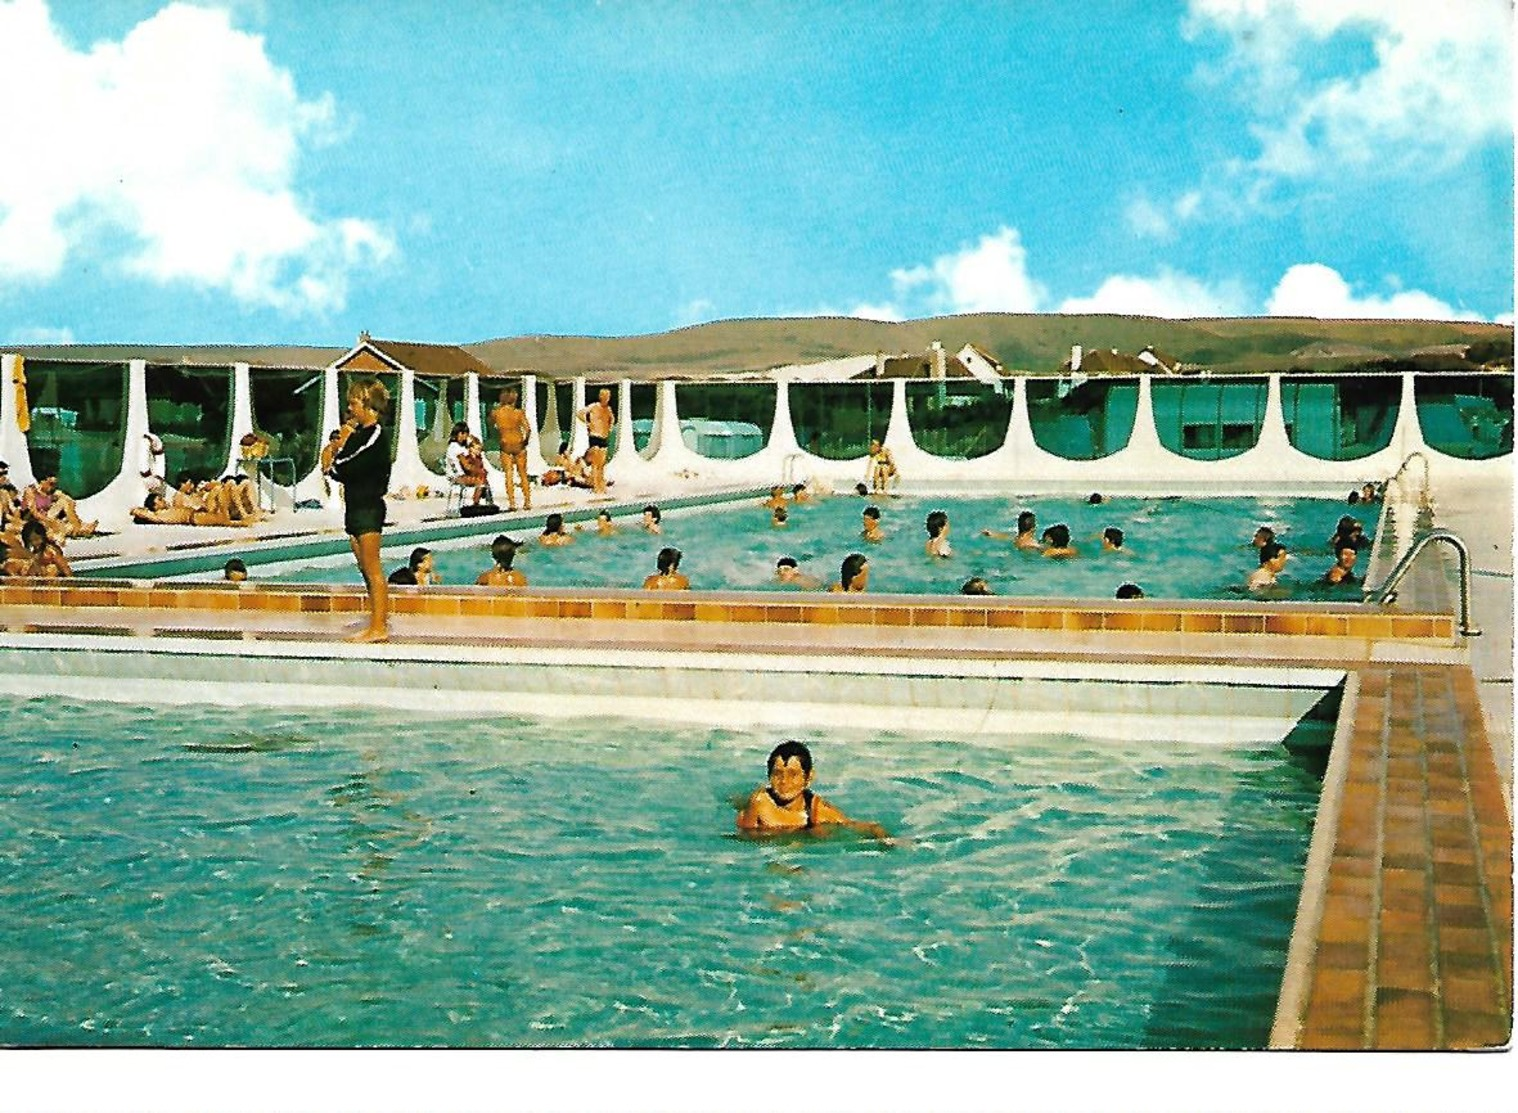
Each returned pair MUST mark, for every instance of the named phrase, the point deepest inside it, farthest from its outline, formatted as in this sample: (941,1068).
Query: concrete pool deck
(1404,933)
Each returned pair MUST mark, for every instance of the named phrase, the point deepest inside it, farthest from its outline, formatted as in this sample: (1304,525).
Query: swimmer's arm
(825,813)
(751,818)
(998,535)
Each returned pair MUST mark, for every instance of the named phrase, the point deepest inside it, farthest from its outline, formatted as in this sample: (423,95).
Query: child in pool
(938,535)
(787,802)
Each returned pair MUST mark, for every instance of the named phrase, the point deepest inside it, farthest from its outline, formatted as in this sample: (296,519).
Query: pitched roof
(439,360)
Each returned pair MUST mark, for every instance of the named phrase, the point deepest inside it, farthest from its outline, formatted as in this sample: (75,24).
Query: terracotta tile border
(1146,616)
(1404,929)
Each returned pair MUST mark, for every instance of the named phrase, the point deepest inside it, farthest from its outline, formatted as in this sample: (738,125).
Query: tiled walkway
(1414,946)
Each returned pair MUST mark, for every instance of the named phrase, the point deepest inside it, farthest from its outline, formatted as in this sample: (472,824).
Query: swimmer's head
(790,750)
(419,559)
(604,516)
(937,522)
(975,585)
(503,550)
(787,562)
(798,488)
(1095,499)
(1026,522)
(651,512)
(1113,536)
(856,568)
(872,513)
(1130,591)
(861,490)
(554,523)
(669,560)
(234,570)
(780,515)
(1264,535)
(1057,536)
(1271,550)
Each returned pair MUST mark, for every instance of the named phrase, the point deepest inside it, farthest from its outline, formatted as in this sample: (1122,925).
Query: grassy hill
(1022,342)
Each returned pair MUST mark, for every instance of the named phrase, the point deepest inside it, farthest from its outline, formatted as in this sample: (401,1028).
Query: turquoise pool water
(253,878)
(1191,548)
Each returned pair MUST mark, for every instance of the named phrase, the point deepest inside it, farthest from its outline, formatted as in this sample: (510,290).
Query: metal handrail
(1416,454)
(1387,592)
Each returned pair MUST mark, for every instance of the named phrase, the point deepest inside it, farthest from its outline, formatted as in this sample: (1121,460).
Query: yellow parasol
(23,411)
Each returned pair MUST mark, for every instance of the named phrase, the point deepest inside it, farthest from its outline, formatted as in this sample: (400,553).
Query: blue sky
(293,171)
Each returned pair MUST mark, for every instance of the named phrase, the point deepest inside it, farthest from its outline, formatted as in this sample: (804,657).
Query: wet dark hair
(669,559)
(1354,497)
(1270,534)
(1130,591)
(418,555)
(787,562)
(975,585)
(781,514)
(503,551)
(235,565)
(1346,524)
(652,509)
(853,564)
(872,512)
(861,490)
(1058,535)
(1114,535)
(1026,521)
(937,520)
(1095,499)
(798,488)
(603,514)
(788,749)
(1270,550)
(554,523)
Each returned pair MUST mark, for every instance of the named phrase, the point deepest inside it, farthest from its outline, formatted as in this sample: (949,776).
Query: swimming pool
(258,878)
(1182,548)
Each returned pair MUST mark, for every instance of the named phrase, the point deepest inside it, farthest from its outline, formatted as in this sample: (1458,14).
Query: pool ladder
(1424,501)
(1387,592)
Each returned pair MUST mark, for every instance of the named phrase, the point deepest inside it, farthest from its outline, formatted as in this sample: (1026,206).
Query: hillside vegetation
(1022,342)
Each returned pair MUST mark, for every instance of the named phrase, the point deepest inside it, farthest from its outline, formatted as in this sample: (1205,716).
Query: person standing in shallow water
(362,465)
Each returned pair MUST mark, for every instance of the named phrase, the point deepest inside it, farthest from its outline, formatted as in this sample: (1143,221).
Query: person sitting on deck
(787,803)
(38,555)
(503,550)
(55,510)
(882,468)
(553,532)
(472,474)
(669,576)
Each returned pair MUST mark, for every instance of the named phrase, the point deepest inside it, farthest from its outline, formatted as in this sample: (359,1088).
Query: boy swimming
(787,802)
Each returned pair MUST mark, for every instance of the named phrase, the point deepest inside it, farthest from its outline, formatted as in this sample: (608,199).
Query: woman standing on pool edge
(362,466)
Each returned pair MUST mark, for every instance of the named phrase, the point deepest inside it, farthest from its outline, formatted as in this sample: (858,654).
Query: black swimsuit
(806,801)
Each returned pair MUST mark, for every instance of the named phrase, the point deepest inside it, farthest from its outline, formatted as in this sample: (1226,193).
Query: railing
(1424,502)
(1387,592)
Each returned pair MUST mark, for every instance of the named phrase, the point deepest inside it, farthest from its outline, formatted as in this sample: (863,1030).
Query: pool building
(1400,927)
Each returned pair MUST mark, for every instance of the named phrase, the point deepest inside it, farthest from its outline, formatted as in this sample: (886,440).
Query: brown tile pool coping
(1361,623)
(1403,937)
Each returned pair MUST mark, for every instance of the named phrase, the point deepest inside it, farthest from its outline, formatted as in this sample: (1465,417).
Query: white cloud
(1167,294)
(990,277)
(1316,290)
(1437,84)
(694,312)
(181,142)
(40,334)
(877,312)
(1150,219)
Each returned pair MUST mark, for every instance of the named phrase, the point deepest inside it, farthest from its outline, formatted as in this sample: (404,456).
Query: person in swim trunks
(599,419)
(787,802)
(362,465)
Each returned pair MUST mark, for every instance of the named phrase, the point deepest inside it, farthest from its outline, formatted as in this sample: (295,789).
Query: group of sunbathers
(35,524)
(231,500)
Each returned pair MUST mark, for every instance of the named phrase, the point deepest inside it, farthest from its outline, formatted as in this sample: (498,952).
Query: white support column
(472,404)
(110,504)
(626,465)
(1273,425)
(242,414)
(782,441)
(1407,437)
(13,447)
(408,469)
(553,427)
(530,408)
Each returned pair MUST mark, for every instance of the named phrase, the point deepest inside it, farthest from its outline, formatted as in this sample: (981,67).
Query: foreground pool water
(258,878)
(1182,548)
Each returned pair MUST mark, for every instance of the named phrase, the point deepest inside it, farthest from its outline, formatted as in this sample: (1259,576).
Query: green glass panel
(1082,421)
(1340,418)
(78,427)
(1210,419)
(725,420)
(958,419)
(837,421)
(287,408)
(190,409)
(1470,416)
